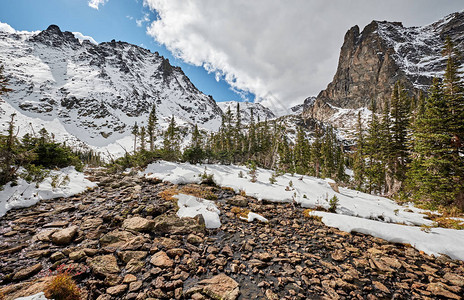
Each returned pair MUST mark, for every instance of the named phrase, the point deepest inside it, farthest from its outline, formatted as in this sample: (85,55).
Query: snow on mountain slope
(259,110)
(96,92)
(418,50)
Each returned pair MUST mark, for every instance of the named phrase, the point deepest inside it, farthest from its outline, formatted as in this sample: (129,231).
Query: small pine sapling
(333,204)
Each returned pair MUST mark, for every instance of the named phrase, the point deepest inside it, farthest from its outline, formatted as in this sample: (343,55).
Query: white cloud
(96,3)
(282,51)
(82,38)
(144,19)
(4,27)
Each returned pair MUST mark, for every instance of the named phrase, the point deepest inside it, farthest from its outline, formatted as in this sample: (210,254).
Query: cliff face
(371,62)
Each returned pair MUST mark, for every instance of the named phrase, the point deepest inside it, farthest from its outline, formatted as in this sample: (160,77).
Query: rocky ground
(122,240)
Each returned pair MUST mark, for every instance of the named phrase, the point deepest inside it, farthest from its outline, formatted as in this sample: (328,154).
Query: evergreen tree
(252,134)
(302,152)
(400,105)
(358,161)
(454,94)
(135,133)
(431,171)
(194,153)
(151,127)
(171,143)
(316,151)
(8,151)
(142,138)
(375,173)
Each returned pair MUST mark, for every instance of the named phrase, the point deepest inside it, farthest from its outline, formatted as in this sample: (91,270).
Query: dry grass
(242,193)
(62,287)
(240,212)
(198,191)
(307,214)
(446,221)
(168,194)
(193,190)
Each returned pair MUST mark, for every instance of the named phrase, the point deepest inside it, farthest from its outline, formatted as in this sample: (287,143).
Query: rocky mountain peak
(54,37)
(384,52)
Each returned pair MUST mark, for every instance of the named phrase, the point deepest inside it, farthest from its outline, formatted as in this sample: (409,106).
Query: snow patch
(433,241)
(61,183)
(191,206)
(83,38)
(254,216)
(38,296)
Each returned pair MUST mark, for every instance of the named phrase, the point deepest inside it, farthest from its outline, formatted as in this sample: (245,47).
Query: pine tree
(454,94)
(400,105)
(195,153)
(302,153)
(430,174)
(135,133)
(252,134)
(316,153)
(8,151)
(142,138)
(358,161)
(171,143)
(238,137)
(375,173)
(151,127)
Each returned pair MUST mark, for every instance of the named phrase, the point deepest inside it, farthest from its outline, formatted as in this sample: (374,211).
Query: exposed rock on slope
(371,61)
(97,91)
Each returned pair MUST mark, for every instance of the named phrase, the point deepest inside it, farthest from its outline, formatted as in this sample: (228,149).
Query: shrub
(333,204)
(35,174)
(272,179)
(207,179)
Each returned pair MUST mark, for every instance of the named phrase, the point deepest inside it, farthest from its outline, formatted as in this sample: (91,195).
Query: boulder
(172,224)
(27,272)
(138,224)
(103,265)
(64,236)
(218,287)
(161,259)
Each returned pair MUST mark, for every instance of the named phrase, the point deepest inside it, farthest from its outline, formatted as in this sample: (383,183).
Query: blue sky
(116,19)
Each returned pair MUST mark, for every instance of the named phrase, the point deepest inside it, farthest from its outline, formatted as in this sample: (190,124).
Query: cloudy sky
(277,52)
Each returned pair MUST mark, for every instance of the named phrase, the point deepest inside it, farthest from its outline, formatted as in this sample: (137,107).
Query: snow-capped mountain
(96,92)
(373,59)
(259,111)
